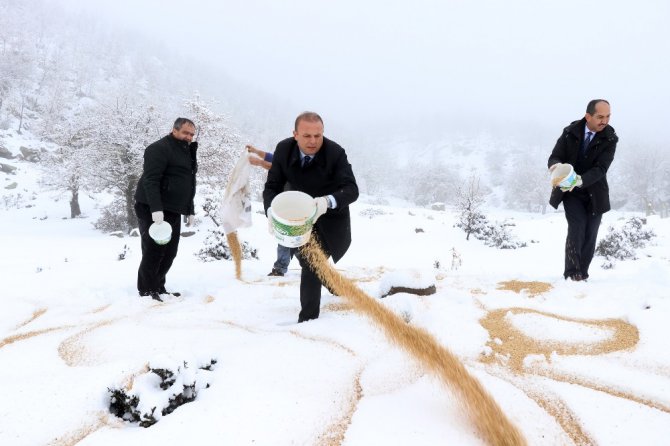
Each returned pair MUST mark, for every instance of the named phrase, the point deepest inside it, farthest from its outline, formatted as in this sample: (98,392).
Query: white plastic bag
(236,203)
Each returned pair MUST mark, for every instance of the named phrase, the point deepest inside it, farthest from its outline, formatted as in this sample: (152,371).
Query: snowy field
(593,367)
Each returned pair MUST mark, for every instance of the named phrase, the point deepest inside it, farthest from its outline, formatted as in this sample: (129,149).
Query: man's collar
(179,142)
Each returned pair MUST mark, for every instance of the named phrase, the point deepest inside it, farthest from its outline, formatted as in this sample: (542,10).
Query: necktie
(587,141)
(306,160)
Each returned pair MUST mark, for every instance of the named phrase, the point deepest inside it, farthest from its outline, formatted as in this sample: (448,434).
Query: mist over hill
(90,86)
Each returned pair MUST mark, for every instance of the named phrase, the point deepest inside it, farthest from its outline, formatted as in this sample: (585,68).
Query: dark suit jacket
(168,180)
(592,169)
(329,173)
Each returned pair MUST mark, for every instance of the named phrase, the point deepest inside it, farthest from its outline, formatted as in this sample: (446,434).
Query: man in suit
(319,167)
(165,191)
(588,145)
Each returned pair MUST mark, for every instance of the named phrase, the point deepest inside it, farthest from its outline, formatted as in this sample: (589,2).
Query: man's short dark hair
(591,108)
(307,116)
(181,121)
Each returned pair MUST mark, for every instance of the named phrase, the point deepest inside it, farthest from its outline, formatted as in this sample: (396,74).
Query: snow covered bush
(621,244)
(372,212)
(13,201)
(216,247)
(495,235)
(498,235)
(158,392)
(472,222)
(113,217)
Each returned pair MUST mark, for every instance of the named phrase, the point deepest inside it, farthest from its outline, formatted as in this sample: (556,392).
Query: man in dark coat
(165,191)
(588,145)
(319,167)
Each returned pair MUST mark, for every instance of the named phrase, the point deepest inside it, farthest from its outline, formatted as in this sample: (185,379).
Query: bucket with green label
(292,216)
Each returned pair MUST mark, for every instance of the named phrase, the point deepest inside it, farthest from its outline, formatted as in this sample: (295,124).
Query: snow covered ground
(594,367)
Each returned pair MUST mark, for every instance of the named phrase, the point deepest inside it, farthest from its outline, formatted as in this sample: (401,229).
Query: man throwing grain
(319,167)
(588,145)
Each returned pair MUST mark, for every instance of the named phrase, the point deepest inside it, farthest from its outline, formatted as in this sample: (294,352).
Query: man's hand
(188,219)
(255,151)
(255,161)
(157,216)
(577,182)
(257,157)
(321,207)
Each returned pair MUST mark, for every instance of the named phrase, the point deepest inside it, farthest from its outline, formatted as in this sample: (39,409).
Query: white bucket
(292,217)
(161,232)
(563,175)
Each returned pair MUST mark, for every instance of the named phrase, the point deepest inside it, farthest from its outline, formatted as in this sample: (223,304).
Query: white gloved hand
(553,166)
(188,219)
(271,229)
(321,206)
(577,182)
(157,217)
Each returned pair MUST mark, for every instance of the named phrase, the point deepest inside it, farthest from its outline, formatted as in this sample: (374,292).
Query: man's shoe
(577,277)
(171,293)
(155,295)
(276,272)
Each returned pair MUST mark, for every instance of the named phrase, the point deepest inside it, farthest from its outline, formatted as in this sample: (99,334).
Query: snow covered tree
(65,168)
(433,182)
(664,196)
(641,176)
(219,145)
(115,147)
(14,59)
(527,183)
(470,197)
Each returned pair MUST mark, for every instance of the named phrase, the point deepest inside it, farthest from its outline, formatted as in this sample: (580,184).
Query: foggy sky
(533,63)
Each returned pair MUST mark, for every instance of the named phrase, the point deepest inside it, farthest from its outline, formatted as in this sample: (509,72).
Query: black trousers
(310,286)
(583,225)
(156,259)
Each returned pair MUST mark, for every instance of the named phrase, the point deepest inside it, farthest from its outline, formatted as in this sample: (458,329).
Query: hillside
(568,363)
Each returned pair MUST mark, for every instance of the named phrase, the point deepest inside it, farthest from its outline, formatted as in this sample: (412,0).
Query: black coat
(168,180)
(329,173)
(592,169)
